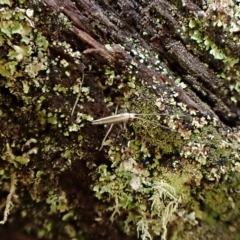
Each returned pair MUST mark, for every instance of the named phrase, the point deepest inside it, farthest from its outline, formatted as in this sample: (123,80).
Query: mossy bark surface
(173,172)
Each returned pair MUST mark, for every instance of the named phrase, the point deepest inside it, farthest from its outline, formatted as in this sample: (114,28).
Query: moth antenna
(143,119)
(150,114)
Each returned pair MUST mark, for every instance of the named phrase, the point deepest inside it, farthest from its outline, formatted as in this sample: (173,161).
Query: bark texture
(172,174)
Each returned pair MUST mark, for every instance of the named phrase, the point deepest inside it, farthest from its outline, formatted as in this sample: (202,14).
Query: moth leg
(109,130)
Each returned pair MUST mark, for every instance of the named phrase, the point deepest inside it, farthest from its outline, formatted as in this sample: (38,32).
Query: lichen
(159,173)
(24,66)
(215,45)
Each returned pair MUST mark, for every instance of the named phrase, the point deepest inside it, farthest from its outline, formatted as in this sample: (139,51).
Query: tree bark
(171,173)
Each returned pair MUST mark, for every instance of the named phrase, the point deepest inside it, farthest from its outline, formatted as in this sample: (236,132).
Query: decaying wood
(174,61)
(207,85)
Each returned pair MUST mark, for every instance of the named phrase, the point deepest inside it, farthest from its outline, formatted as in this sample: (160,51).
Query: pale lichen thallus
(120,118)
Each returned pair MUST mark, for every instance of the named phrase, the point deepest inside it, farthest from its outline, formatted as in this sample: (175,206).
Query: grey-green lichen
(24,72)
(145,184)
(217,16)
(152,195)
(156,171)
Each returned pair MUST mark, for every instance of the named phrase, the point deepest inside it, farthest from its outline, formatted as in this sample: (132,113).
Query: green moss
(152,171)
(136,171)
(24,66)
(209,43)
